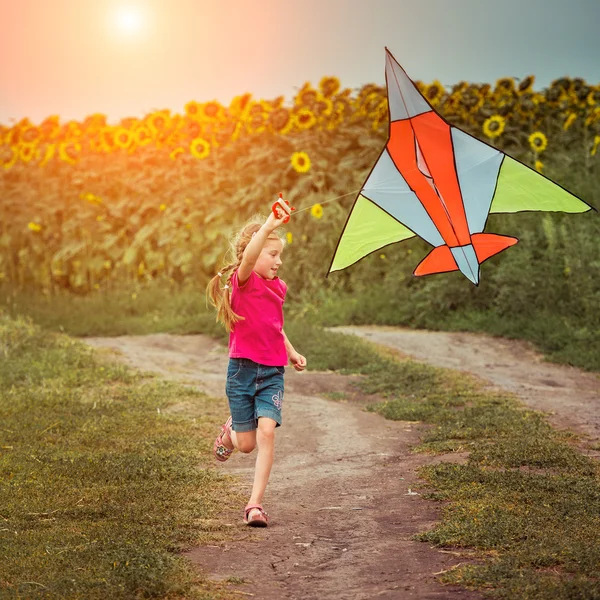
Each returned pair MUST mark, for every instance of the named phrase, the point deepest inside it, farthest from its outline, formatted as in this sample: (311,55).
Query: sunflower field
(87,207)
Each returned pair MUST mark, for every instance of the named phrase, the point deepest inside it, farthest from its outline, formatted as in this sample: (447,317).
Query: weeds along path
(570,396)
(344,497)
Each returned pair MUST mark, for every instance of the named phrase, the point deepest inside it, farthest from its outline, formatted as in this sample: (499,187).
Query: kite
(436,181)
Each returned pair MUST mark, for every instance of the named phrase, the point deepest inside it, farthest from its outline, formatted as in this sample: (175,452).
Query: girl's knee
(246,441)
(266,431)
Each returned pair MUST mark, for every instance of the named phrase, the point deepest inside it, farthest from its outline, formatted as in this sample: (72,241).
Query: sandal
(222,452)
(259,520)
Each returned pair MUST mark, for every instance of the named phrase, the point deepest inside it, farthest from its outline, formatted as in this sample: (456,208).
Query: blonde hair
(219,297)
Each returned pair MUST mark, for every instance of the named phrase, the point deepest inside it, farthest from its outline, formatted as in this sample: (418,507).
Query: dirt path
(569,396)
(344,497)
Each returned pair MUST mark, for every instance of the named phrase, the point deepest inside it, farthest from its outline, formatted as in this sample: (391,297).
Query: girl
(251,308)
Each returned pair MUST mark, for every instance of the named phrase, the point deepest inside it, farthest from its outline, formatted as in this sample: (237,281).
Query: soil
(344,497)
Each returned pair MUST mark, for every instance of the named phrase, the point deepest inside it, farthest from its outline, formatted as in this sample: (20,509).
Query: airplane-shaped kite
(438,182)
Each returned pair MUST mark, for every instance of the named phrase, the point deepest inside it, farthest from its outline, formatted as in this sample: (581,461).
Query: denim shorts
(253,391)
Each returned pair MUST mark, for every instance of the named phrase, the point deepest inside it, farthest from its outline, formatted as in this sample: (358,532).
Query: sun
(129,20)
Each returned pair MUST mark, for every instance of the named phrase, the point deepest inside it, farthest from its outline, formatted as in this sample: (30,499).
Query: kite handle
(278,206)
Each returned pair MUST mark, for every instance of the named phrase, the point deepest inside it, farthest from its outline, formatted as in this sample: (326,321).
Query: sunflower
(593,116)
(123,138)
(281,120)
(9,156)
(212,111)
(472,99)
(227,131)
(129,122)
(538,141)
(539,166)
(593,98)
(175,153)
(257,122)
(556,95)
(71,130)
(49,152)
(335,120)
(50,127)
(35,227)
(289,237)
(323,107)
(300,162)
(329,86)
(569,120)
(190,129)
(370,105)
(240,104)
(459,87)
(505,85)
(452,103)
(485,89)
(494,126)
(31,135)
(274,104)
(563,83)
(142,135)
(159,121)
(94,123)
(200,148)
(595,146)
(68,151)
(526,84)
(316,211)
(192,109)
(27,152)
(307,96)
(305,119)
(107,139)
(434,93)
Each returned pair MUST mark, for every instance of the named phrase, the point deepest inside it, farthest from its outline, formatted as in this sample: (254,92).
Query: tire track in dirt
(344,498)
(569,396)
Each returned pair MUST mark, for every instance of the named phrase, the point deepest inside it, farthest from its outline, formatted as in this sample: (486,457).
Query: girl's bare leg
(265,440)
(244,441)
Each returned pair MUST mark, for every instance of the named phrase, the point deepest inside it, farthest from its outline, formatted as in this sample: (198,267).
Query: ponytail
(220,298)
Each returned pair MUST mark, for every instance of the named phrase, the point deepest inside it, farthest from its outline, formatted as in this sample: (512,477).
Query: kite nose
(466,261)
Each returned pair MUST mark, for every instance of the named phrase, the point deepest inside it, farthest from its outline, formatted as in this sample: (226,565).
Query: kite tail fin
(488,244)
(465,258)
(439,260)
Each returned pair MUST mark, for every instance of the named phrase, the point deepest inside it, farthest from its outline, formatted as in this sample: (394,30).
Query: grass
(100,484)
(132,310)
(526,505)
(527,501)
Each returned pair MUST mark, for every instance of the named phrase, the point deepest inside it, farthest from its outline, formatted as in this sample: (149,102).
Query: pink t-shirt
(259,336)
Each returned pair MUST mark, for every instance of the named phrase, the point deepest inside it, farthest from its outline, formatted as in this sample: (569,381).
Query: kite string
(327,201)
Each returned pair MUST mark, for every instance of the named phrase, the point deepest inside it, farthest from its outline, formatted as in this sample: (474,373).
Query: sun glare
(129,20)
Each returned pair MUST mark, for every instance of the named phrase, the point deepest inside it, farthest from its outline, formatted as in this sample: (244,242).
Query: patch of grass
(100,484)
(527,497)
(336,396)
(157,307)
(543,528)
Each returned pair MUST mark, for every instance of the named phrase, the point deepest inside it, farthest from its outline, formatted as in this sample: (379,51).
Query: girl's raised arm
(255,245)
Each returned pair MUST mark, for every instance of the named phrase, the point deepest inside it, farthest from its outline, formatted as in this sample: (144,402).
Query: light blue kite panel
(477,166)
(466,261)
(404,99)
(388,189)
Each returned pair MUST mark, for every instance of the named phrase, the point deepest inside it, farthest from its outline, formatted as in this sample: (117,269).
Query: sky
(128,57)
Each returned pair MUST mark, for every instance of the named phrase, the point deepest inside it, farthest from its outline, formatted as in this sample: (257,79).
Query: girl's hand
(274,221)
(298,361)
